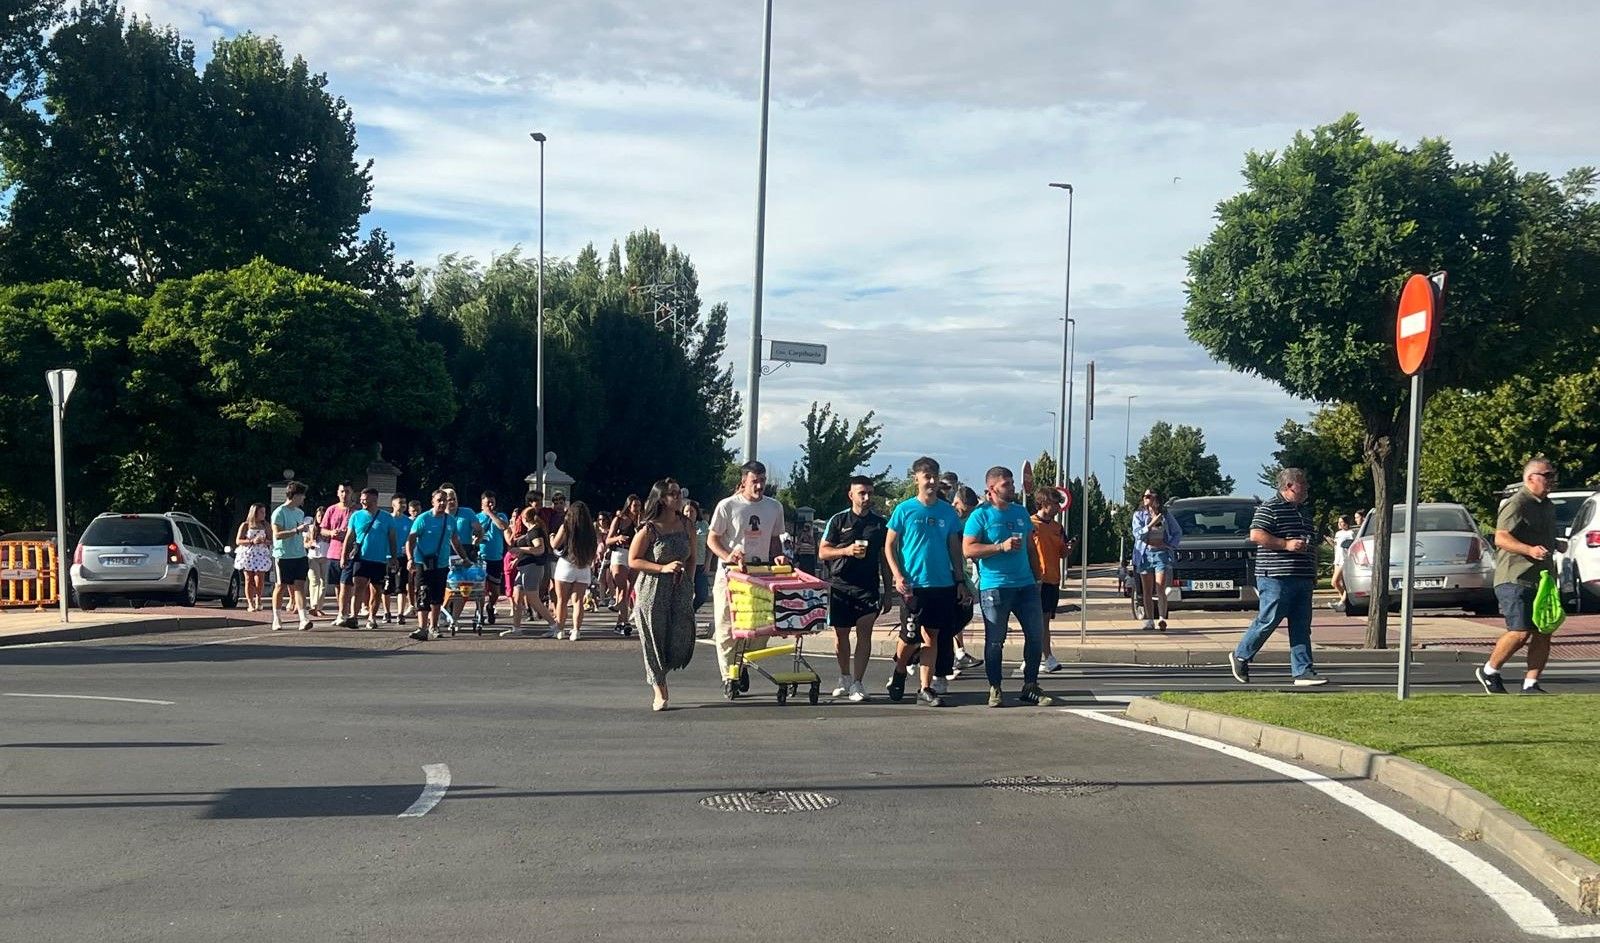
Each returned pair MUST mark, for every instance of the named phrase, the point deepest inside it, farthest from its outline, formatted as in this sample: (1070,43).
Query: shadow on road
(105,745)
(209,654)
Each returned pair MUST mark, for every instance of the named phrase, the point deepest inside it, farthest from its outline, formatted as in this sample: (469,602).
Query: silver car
(1455,564)
(142,557)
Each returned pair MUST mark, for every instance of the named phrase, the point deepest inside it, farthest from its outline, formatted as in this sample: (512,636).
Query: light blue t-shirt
(494,542)
(990,525)
(292,547)
(465,520)
(433,541)
(401,525)
(372,535)
(925,541)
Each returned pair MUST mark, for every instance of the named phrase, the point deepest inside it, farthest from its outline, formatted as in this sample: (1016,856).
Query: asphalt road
(263,802)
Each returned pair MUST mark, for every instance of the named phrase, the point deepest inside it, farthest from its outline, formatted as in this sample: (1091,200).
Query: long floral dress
(664,612)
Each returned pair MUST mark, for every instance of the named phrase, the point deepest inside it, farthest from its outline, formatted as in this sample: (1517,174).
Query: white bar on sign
(1413,324)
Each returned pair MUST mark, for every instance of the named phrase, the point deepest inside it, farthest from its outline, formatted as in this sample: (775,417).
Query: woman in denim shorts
(1155,536)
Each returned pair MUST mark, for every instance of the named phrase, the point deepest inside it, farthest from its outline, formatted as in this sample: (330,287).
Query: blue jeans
(998,606)
(1282,597)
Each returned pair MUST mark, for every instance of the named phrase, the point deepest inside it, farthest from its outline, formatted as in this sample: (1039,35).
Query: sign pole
(1083,574)
(61,383)
(1407,592)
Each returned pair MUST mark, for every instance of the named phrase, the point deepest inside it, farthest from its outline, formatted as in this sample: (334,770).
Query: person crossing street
(852,553)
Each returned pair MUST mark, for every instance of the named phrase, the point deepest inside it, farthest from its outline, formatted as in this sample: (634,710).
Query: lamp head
(1062,186)
(538,136)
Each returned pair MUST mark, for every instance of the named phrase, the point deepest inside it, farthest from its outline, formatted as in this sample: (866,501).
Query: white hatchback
(1579,567)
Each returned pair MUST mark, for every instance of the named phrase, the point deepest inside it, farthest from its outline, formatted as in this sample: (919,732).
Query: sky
(910,227)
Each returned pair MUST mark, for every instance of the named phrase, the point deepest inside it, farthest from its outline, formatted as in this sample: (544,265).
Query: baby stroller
(466,583)
(768,601)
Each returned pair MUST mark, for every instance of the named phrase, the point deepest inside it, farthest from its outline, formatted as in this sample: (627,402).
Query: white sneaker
(306,623)
(1149,625)
(844,687)
(940,686)
(574,635)
(858,692)
(1051,664)
(277,624)
(371,623)
(410,611)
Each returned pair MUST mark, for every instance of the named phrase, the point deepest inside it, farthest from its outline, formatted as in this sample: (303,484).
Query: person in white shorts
(579,549)
(744,529)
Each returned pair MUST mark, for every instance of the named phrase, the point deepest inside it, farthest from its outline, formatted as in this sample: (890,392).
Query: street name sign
(797,352)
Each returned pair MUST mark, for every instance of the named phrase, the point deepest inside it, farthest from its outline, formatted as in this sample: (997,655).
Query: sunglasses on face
(1547,476)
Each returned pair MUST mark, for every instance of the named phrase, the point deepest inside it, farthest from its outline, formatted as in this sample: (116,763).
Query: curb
(1569,875)
(100,630)
(884,641)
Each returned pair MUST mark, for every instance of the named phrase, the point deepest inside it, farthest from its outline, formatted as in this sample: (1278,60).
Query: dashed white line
(1526,910)
(92,697)
(215,641)
(438,781)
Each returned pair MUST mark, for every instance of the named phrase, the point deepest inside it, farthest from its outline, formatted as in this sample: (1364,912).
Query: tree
(141,169)
(263,368)
(1298,281)
(1174,462)
(1044,473)
(1474,444)
(22,45)
(833,451)
(1104,525)
(1328,447)
(64,325)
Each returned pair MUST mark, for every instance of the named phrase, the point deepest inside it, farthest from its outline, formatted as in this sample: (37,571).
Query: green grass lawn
(1537,756)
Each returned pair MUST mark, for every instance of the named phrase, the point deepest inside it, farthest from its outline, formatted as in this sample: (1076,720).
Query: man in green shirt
(1524,541)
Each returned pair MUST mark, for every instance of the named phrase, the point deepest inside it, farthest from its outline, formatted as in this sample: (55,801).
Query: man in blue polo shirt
(432,541)
(996,537)
(493,524)
(923,549)
(367,552)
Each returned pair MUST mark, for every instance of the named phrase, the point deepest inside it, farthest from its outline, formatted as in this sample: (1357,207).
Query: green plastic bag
(1548,613)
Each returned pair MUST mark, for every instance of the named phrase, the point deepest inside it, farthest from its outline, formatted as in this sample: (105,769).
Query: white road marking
(92,697)
(438,776)
(215,641)
(1520,904)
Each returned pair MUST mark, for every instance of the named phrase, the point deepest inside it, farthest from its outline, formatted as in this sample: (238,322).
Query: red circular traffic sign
(1416,323)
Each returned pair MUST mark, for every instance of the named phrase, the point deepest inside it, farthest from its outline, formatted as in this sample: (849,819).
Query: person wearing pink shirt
(335,525)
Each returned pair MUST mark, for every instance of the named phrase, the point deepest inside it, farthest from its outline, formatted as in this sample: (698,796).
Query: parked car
(1214,565)
(1578,569)
(1454,563)
(144,557)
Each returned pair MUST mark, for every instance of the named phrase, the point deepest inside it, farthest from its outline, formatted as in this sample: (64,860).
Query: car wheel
(235,590)
(191,591)
(87,603)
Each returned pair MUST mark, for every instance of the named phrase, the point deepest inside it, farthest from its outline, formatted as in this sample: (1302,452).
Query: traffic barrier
(28,574)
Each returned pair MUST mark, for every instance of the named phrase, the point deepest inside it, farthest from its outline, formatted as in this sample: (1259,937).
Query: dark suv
(1215,563)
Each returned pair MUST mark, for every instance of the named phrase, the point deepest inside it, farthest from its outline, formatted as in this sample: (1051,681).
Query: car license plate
(18,575)
(119,561)
(1210,586)
(1433,582)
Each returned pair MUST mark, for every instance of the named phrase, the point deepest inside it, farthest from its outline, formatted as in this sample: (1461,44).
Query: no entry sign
(1416,323)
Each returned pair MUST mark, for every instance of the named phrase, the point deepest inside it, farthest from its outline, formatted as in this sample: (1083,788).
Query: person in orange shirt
(1047,547)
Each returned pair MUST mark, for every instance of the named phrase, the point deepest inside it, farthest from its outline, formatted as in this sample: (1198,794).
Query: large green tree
(833,451)
(1173,461)
(1328,446)
(1298,281)
(139,169)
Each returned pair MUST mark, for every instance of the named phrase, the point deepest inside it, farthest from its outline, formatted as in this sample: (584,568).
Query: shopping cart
(768,601)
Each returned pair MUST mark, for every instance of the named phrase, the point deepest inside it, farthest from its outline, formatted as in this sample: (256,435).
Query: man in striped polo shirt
(1286,573)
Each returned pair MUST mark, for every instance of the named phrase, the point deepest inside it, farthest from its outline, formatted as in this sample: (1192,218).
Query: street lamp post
(1055,436)
(61,383)
(1069,337)
(1127,430)
(538,321)
(753,374)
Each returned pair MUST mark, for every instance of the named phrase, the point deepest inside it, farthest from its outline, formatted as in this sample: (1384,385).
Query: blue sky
(909,224)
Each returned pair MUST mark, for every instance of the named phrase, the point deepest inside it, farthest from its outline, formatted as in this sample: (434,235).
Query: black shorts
(495,572)
(341,574)
(1050,597)
(293,570)
(933,608)
(394,577)
(844,611)
(369,570)
(432,582)
(1516,604)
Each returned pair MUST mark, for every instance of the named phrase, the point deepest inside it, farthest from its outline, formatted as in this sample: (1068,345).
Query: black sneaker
(896,687)
(927,698)
(420,635)
(1535,689)
(967,661)
(1491,682)
(1033,694)
(1239,667)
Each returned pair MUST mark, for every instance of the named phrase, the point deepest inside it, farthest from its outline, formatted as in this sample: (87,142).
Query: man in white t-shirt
(744,529)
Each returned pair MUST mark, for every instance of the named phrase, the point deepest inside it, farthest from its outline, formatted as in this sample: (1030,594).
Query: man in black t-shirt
(1286,575)
(852,552)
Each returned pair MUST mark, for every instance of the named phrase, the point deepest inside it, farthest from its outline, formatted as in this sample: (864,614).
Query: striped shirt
(1287,521)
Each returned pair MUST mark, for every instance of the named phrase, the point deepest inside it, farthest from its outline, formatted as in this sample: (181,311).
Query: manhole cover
(769,801)
(1048,785)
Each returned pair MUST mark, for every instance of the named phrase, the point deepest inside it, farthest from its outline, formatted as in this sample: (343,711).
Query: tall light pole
(61,383)
(753,374)
(1055,435)
(1127,430)
(1069,336)
(538,321)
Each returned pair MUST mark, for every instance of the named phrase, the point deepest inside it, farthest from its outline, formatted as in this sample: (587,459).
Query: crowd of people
(947,554)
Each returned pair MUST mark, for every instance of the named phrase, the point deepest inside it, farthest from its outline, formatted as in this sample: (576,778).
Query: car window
(191,535)
(1567,510)
(1585,515)
(212,543)
(128,532)
(1215,521)
(1434,520)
